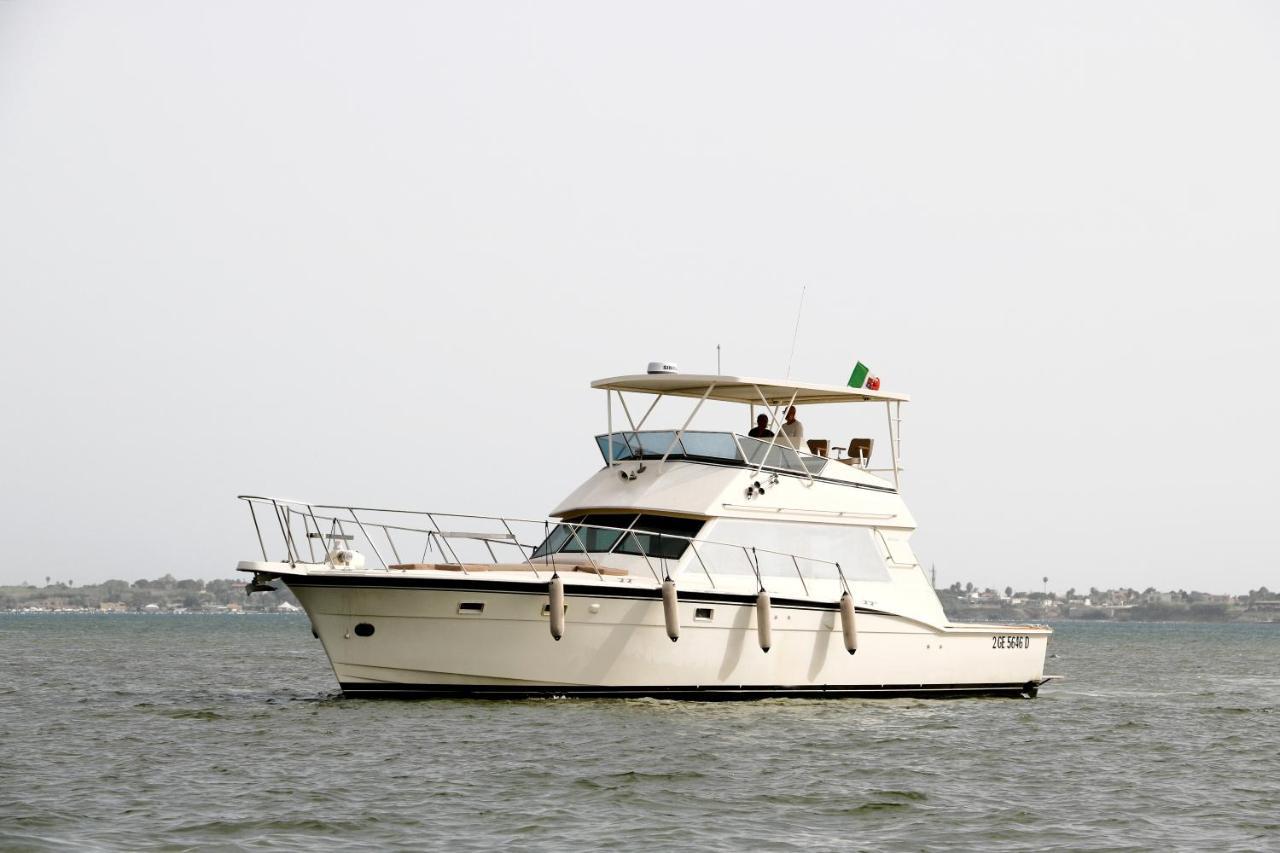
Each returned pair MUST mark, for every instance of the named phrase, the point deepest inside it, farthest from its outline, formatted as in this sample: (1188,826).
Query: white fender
(555,595)
(764,620)
(847,623)
(671,608)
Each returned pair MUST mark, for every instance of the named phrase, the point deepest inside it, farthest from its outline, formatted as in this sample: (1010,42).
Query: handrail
(506,537)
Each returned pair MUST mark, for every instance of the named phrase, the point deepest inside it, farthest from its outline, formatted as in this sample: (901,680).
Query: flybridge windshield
(652,444)
(621,533)
(709,447)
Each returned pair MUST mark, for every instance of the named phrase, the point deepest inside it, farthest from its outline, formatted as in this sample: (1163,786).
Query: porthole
(471,607)
(546,609)
(364,629)
(703,614)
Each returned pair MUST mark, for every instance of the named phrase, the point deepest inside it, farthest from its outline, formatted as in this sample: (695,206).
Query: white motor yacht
(693,564)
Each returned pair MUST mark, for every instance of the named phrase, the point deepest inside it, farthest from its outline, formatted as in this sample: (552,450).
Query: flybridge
(726,448)
(773,395)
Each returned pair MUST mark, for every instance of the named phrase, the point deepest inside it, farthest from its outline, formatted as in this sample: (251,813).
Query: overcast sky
(375,253)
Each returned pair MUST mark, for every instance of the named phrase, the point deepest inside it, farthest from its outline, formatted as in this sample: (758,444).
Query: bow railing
(326,534)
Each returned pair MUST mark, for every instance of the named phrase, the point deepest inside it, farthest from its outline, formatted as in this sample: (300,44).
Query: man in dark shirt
(762,428)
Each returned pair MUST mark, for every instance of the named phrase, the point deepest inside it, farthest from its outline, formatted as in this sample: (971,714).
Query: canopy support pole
(676,438)
(635,429)
(609,420)
(895,427)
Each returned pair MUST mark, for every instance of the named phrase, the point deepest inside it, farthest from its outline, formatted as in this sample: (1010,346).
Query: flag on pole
(862,378)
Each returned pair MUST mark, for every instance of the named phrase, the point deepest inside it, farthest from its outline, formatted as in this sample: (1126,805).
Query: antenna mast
(796,333)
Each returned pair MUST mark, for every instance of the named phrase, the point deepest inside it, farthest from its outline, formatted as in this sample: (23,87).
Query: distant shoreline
(960,603)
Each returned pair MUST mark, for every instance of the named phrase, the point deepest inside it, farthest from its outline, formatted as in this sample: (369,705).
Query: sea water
(151,731)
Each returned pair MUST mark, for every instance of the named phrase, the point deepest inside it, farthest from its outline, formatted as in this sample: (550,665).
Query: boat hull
(425,637)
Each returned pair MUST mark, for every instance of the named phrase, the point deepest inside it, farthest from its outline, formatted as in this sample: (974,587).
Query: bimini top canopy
(744,389)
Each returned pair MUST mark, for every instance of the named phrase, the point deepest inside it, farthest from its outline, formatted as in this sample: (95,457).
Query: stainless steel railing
(327,524)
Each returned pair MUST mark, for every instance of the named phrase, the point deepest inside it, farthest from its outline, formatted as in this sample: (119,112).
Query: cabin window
(653,536)
(603,533)
(899,551)
(702,614)
(471,607)
(559,536)
(854,548)
(596,532)
(364,629)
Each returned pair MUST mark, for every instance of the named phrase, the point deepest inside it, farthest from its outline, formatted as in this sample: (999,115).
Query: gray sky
(375,253)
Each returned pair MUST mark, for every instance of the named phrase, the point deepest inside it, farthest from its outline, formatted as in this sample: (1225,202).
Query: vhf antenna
(795,334)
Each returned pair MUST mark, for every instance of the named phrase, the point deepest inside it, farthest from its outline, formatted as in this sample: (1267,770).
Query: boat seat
(859,452)
(818,446)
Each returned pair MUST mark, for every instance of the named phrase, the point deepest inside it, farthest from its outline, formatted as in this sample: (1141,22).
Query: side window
(899,550)
(661,536)
(554,542)
(853,547)
(592,537)
(656,536)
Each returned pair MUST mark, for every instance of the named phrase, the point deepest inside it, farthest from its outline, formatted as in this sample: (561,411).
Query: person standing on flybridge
(792,432)
(761,429)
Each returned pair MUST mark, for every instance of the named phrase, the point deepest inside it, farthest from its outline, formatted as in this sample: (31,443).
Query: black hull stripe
(573,589)
(380,690)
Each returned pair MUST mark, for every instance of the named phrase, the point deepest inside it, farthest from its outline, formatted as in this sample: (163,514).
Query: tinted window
(652,535)
(564,540)
(590,536)
(554,542)
(657,540)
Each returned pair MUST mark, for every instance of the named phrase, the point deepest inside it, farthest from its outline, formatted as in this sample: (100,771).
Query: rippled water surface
(134,732)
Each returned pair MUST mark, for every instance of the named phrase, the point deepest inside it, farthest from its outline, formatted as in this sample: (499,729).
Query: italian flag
(861,377)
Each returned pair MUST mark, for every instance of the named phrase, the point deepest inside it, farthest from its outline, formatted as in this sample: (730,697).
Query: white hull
(424,643)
